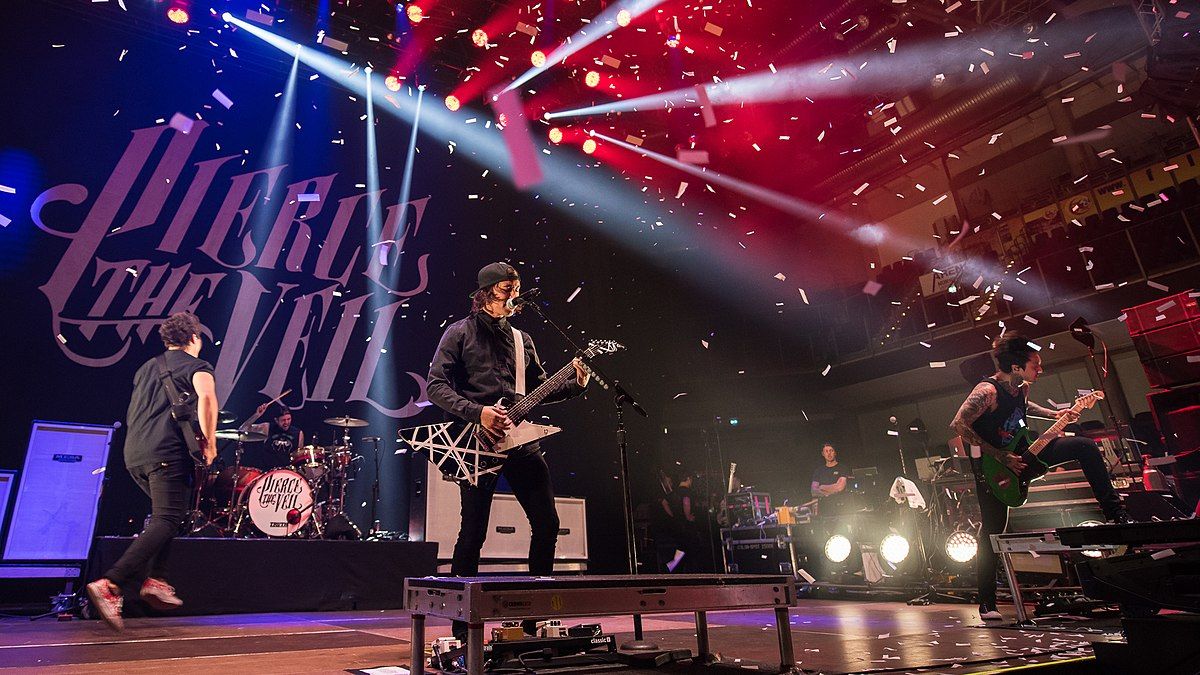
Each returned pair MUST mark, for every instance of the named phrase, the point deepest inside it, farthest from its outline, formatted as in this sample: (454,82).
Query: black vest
(998,426)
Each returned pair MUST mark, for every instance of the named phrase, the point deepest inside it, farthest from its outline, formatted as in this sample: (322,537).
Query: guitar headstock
(597,347)
(1089,399)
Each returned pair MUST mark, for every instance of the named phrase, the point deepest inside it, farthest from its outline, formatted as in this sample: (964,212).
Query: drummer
(282,439)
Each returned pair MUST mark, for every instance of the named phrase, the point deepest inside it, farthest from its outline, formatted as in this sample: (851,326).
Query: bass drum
(226,483)
(279,503)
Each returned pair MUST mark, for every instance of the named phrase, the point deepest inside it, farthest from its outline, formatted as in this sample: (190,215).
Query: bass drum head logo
(279,503)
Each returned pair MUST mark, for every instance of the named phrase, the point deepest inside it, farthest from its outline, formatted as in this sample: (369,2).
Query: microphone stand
(621,398)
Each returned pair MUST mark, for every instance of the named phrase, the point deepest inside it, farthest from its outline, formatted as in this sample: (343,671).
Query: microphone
(528,296)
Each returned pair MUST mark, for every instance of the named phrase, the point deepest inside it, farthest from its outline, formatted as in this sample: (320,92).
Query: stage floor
(830,637)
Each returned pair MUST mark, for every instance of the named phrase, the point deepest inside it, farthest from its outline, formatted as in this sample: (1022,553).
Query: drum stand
(235,526)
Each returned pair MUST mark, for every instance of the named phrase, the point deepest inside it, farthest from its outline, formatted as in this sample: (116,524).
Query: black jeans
(994,513)
(169,485)
(529,478)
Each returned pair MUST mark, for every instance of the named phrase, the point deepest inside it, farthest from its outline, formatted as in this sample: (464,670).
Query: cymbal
(226,417)
(345,421)
(243,436)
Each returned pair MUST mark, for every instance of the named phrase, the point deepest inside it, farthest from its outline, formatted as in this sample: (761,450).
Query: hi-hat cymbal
(345,421)
(238,435)
(226,417)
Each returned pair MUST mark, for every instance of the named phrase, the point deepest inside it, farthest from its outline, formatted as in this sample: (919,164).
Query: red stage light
(624,18)
(538,59)
(414,13)
(479,37)
(555,135)
(589,146)
(452,103)
(178,14)
(502,119)
(592,78)
(392,82)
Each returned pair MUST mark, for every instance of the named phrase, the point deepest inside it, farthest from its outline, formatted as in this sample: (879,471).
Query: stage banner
(1114,194)
(1187,166)
(1042,219)
(1078,207)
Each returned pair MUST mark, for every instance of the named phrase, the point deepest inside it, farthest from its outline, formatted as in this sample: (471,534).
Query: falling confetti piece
(181,123)
(222,99)
(574,293)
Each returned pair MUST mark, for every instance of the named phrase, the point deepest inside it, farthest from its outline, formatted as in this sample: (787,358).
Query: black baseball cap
(492,274)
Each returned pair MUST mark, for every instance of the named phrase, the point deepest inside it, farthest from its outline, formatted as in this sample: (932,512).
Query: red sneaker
(106,599)
(159,594)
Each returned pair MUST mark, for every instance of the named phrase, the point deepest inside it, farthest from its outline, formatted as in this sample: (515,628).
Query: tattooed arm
(1041,410)
(982,399)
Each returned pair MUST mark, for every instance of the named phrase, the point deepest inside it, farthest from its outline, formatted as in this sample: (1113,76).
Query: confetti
(574,293)
(181,123)
(222,98)
(872,287)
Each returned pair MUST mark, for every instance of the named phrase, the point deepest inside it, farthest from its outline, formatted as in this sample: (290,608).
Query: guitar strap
(168,384)
(519,353)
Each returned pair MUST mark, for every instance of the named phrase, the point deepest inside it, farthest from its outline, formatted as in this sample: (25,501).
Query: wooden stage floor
(830,637)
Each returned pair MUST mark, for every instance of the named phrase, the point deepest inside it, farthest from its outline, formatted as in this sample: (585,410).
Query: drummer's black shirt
(152,435)
(475,367)
(274,452)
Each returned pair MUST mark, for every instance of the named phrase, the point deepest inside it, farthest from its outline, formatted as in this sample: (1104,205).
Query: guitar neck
(520,409)
(1054,430)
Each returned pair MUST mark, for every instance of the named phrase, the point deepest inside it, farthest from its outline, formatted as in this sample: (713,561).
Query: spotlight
(624,18)
(538,59)
(961,546)
(452,103)
(414,13)
(555,135)
(837,548)
(226,17)
(733,421)
(589,146)
(502,119)
(894,548)
(592,78)
(392,82)
(479,37)
(178,14)
(368,70)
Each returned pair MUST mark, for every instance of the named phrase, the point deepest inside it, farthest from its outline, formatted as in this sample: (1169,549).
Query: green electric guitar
(1005,484)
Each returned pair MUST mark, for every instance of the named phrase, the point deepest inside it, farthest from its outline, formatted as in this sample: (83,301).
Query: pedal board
(495,654)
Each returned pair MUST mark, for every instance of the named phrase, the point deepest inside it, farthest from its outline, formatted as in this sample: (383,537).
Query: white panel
(442,514)
(59,495)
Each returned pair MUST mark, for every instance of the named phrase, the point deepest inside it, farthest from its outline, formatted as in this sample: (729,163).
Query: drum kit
(305,499)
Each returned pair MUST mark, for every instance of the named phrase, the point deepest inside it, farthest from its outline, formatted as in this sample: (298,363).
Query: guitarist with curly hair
(993,418)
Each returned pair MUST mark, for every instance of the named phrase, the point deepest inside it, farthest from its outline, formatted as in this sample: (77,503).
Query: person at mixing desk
(828,482)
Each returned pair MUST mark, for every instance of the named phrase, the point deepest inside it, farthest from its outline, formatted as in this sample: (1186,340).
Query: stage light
(592,78)
(555,135)
(502,119)
(538,58)
(673,41)
(178,14)
(733,421)
(392,83)
(624,18)
(589,146)
(226,17)
(837,548)
(452,103)
(894,548)
(479,37)
(961,546)
(414,13)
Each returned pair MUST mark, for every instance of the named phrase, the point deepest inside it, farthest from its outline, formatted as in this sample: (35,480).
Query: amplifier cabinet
(1179,338)
(1162,312)
(508,528)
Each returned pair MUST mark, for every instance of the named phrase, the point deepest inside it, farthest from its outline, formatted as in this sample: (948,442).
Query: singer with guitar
(170,429)
(993,418)
(475,366)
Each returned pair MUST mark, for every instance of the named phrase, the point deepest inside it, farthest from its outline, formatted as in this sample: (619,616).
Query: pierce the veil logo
(268,267)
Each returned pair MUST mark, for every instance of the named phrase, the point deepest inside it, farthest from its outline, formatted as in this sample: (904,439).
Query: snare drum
(279,503)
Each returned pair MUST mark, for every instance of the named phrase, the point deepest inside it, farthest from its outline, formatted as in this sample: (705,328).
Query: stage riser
(227,576)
